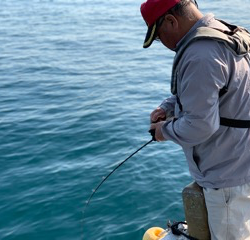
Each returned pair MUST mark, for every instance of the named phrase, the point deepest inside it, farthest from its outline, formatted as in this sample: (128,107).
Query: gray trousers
(228,212)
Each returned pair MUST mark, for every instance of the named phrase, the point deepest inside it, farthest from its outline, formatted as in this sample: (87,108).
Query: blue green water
(76,91)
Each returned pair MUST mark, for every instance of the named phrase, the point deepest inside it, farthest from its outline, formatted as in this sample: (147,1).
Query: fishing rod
(152,132)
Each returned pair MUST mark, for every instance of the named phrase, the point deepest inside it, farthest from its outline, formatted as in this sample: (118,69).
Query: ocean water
(76,91)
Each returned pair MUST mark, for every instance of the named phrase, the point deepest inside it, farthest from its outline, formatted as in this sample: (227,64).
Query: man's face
(167,31)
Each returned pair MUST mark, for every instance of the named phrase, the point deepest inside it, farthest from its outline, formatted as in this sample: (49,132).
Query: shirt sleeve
(202,73)
(168,105)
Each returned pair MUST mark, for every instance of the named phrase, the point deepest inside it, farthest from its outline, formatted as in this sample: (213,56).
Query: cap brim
(150,36)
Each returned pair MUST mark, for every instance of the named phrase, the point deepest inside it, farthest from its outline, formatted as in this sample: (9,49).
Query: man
(209,111)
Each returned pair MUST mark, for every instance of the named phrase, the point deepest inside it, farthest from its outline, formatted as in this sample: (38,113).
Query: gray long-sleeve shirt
(217,156)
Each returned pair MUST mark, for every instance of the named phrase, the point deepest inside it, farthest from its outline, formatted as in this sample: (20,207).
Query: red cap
(151,10)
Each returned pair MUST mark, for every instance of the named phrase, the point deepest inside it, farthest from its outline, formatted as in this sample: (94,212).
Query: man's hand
(157,115)
(158,133)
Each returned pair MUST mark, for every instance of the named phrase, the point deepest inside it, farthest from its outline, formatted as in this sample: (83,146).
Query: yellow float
(154,233)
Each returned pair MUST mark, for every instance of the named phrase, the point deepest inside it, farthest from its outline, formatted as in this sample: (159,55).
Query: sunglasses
(158,24)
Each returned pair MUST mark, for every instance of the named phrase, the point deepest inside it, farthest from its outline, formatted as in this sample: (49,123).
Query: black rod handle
(152,132)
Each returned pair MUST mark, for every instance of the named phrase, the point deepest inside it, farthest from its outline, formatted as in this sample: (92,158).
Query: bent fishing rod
(152,132)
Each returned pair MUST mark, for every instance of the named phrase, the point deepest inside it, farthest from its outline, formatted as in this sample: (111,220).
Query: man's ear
(172,21)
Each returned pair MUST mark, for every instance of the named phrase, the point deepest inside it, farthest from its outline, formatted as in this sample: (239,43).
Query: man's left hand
(158,133)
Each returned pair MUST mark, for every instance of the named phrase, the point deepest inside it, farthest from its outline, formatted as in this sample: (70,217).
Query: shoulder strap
(237,40)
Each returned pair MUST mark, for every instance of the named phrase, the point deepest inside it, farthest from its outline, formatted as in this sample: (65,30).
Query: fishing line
(152,131)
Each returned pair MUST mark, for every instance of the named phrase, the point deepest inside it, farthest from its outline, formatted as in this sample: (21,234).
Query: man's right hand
(158,115)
